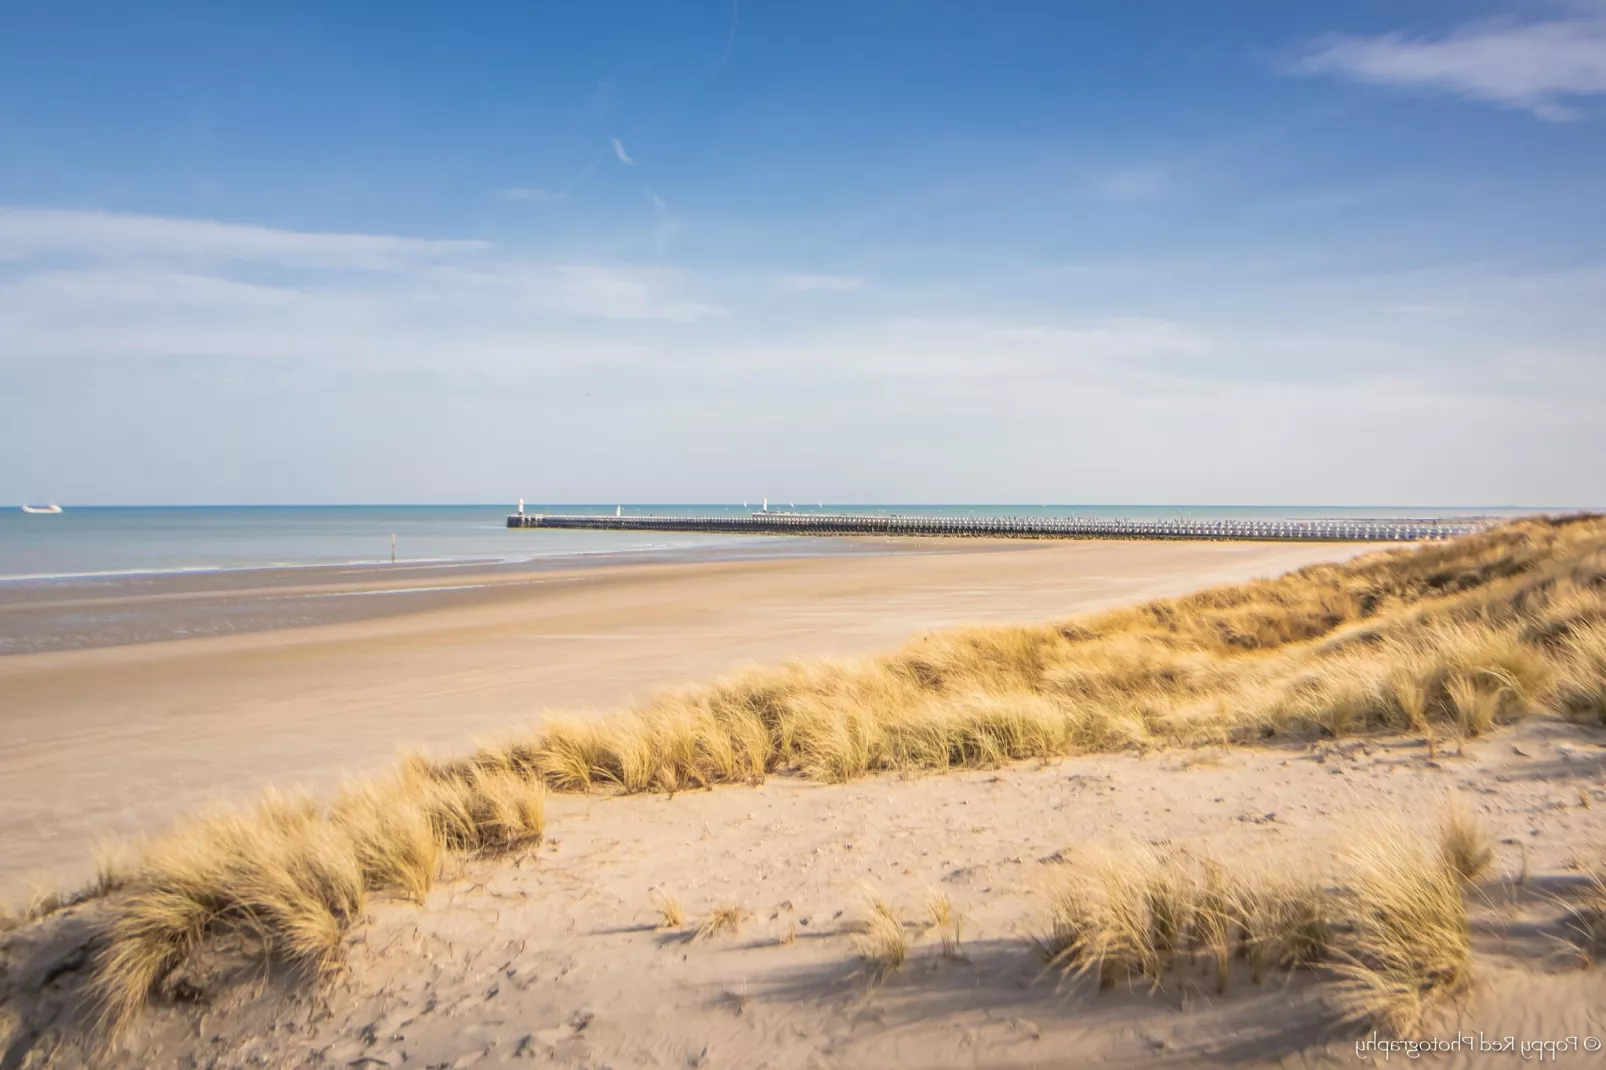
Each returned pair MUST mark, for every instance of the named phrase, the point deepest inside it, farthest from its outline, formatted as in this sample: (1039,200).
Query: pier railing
(1069,527)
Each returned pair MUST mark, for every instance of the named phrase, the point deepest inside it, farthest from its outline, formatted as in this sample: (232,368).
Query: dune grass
(727,918)
(1464,845)
(1446,639)
(1410,942)
(1589,920)
(948,922)
(1133,915)
(881,938)
(290,877)
(1393,936)
(667,907)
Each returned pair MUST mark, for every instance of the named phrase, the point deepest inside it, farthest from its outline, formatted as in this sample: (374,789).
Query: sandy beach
(117,740)
(892,916)
(557,958)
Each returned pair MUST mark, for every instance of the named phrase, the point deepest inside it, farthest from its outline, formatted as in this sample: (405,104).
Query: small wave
(269,566)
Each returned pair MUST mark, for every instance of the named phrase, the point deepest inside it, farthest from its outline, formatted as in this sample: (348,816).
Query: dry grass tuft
(1464,844)
(1130,915)
(882,940)
(1589,920)
(1410,943)
(115,863)
(282,877)
(288,878)
(949,923)
(670,915)
(1287,924)
(43,901)
(1395,936)
(721,919)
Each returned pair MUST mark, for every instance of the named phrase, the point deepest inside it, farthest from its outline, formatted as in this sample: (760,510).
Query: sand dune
(557,958)
(900,919)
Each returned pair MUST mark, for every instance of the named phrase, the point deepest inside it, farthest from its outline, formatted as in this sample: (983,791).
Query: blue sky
(1016,252)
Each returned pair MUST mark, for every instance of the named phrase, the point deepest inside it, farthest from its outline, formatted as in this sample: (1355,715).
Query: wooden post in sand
(393,547)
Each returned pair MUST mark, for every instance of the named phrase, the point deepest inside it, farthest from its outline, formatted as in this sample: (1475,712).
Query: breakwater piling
(1068,527)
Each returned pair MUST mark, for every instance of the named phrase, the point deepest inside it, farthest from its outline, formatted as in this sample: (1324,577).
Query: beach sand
(118,740)
(555,957)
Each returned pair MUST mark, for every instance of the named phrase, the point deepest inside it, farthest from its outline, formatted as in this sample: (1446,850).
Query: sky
(873,251)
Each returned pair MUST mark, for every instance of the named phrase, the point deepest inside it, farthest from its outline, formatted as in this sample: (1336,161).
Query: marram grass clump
(1132,915)
(289,877)
(1392,938)
(1411,942)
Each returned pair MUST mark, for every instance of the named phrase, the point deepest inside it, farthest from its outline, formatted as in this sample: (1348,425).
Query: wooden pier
(1068,527)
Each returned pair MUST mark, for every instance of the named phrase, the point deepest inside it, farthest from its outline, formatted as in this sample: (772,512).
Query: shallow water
(101,540)
(91,577)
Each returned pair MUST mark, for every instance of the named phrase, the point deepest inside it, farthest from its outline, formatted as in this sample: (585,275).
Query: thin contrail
(730,38)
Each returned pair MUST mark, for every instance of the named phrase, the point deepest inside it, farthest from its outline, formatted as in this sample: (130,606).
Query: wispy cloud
(1543,67)
(601,292)
(811,283)
(619,151)
(530,194)
(28,231)
(100,285)
(657,201)
(445,354)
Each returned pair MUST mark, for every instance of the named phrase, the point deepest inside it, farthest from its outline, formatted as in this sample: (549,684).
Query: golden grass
(1464,844)
(1410,942)
(722,919)
(1589,920)
(1448,639)
(947,921)
(1394,936)
(1451,638)
(1132,915)
(290,877)
(670,916)
(881,939)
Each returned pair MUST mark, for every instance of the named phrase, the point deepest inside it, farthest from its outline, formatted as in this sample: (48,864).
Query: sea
(107,541)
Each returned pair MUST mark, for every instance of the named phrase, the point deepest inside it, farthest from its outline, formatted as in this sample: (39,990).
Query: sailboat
(51,508)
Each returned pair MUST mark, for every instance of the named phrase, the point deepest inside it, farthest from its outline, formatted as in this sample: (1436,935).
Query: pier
(1068,527)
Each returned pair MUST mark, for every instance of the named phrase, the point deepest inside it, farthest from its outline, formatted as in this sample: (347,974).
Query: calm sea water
(126,541)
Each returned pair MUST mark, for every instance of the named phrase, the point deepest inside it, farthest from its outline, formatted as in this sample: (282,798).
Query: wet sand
(115,609)
(116,740)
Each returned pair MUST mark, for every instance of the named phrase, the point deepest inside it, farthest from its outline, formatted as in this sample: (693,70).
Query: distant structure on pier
(1022,527)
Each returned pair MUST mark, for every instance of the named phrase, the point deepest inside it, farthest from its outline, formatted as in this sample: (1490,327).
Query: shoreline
(120,608)
(120,740)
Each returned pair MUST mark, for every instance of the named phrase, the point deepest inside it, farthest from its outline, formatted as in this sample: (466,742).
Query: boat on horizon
(51,508)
